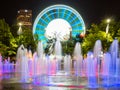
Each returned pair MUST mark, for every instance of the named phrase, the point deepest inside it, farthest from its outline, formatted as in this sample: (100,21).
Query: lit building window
(26,10)
(25,16)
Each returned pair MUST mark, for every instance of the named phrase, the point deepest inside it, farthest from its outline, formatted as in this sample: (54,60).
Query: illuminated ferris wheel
(52,18)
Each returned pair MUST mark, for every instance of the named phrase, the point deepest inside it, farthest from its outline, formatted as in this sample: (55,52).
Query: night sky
(92,11)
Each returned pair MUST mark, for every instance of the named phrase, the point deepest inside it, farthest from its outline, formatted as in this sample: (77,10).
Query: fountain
(6,66)
(67,64)
(115,65)
(91,70)
(30,63)
(38,63)
(58,54)
(24,67)
(97,55)
(20,52)
(1,65)
(97,70)
(52,65)
(106,70)
(79,59)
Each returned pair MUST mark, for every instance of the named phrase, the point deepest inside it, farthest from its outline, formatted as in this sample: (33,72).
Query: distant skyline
(92,11)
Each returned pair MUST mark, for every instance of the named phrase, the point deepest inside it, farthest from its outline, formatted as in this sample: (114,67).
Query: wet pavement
(9,82)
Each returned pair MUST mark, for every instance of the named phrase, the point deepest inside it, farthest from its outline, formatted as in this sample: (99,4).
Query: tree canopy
(98,31)
(10,40)
(7,41)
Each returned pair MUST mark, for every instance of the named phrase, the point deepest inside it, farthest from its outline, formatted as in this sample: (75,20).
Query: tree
(14,28)
(117,35)
(26,38)
(68,46)
(7,41)
(97,31)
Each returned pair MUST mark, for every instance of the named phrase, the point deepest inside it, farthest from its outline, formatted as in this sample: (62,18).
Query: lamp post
(107,28)
(19,32)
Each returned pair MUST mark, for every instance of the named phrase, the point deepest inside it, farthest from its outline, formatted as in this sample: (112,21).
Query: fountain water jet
(58,54)
(79,59)
(25,67)
(115,67)
(38,60)
(1,65)
(67,64)
(106,74)
(91,70)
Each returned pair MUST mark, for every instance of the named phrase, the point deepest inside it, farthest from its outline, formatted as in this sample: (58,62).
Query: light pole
(19,32)
(107,28)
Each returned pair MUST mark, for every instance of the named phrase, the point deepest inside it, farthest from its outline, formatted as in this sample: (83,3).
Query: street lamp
(19,32)
(20,29)
(107,28)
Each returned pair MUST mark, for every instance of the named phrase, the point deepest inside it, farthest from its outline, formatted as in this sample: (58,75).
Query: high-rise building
(25,17)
